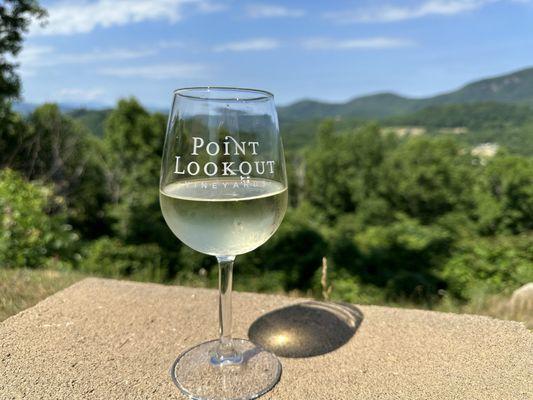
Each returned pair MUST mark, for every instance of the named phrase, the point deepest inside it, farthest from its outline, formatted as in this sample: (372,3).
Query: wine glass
(223,192)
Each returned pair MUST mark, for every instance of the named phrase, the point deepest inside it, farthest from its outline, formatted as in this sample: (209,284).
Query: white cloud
(81,16)
(170,44)
(248,45)
(272,11)
(157,71)
(392,13)
(361,43)
(105,55)
(32,57)
(206,6)
(79,95)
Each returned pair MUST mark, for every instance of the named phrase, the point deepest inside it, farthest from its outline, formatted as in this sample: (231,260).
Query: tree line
(398,218)
(418,219)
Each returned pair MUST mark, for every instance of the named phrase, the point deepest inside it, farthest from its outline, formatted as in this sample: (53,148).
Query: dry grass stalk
(326,290)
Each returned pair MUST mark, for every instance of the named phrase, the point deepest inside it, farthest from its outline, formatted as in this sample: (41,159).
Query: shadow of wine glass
(307,329)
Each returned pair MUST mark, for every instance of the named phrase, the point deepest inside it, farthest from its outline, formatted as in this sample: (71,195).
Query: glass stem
(225,352)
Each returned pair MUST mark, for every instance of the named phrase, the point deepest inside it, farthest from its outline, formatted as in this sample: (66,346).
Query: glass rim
(195,92)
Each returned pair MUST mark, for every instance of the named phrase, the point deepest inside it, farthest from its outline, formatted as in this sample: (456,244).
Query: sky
(95,52)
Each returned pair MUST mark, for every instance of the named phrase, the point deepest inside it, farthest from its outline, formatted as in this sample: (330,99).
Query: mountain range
(516,88)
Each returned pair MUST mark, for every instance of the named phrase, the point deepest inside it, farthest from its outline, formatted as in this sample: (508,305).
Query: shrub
(112,258)
(263,281)
(52,148)
(427,178)
(505,198)
(495,264)
(342,171)
(296,250)
(404,258)
(344,286)
(34,232)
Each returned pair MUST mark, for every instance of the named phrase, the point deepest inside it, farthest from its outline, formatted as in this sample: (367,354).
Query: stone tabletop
(107,339)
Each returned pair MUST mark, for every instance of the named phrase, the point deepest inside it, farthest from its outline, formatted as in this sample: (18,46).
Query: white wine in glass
(227,216)
(223,192)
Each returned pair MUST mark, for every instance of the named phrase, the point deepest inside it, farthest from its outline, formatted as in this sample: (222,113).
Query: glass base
(198,376)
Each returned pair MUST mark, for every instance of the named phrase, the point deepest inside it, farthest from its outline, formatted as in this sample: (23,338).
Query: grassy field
(23,288)
(492,306)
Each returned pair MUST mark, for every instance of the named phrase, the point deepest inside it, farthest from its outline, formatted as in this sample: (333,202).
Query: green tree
(294,165)
(53,148)
(292,255)
(342,169)
(492,264)
(505,196)
(14,136)
(15,18)
(112,258)
(427,178)
(134,141)
(403,257)
(34,231)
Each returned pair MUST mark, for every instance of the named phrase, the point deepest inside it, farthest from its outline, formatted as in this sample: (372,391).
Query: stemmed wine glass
(223,192)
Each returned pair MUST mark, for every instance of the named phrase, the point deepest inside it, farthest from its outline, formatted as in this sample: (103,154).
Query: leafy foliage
(518,139)
(94,120)
(112,258)
(34,231)
(415,219)
(134,141)
(404,257)
(428,178)
(400,219)
(342,170)
(505,201)
(471,116)
(494,263)
(15,18)
(294,252)
(52,148)
(508,125)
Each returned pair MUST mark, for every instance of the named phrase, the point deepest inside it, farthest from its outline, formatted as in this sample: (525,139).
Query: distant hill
(508,125)
(469,115)
(92,119)
(372,106)
(26,108)
(496,110)
(516,88)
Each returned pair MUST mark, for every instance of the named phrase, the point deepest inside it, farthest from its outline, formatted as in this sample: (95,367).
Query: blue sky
(98,51)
